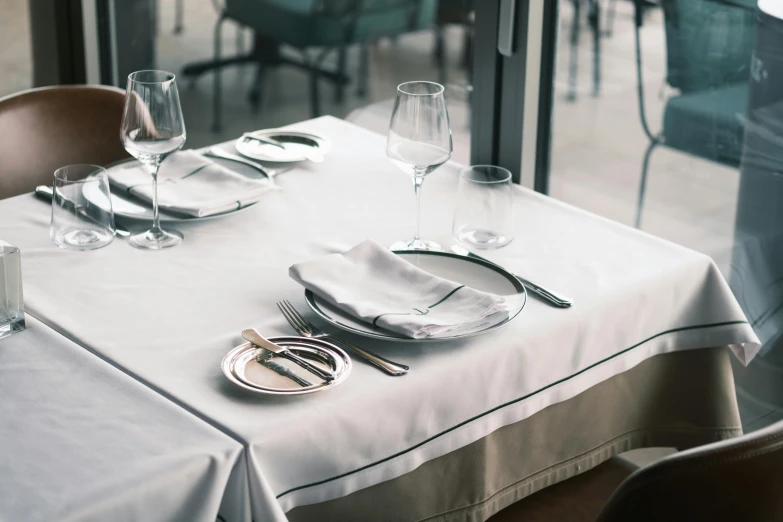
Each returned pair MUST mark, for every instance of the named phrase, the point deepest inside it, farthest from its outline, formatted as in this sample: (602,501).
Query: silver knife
(558,300)
(46,192)
(282,370)
(252,335)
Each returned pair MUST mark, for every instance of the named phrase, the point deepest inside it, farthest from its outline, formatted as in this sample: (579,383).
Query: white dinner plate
(294,142)
(473,273)
(131,208)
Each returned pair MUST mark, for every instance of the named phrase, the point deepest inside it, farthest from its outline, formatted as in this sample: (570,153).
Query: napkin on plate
(383,289)
(189,183)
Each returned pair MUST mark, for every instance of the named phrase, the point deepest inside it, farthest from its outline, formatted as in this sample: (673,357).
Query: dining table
(81,440)
(641,359)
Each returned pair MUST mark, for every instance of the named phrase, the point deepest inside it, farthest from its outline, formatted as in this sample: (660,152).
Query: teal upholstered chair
(708,52)
(322,26)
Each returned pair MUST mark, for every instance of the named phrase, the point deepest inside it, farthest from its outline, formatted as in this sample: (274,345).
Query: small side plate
(293,141)
(241,366)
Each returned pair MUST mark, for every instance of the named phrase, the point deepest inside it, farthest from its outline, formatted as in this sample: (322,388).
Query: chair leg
(572,68)
(467,48)
(439,54)
(315,101)
(364,69)
(610,12)
(179,17)
(256,91)
(643,181)
(594,17)
(216,120)
(339,88)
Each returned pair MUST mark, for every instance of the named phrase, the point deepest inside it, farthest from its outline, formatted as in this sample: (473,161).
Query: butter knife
(558,300)
(282,370)
(252,335)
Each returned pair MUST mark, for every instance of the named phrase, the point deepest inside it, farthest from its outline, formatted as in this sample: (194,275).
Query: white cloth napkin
(189,183)
(383,289)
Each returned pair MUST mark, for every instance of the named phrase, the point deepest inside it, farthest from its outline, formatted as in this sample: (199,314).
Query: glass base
(82,239)
(156,239)
(12,326)
(416,244)
(482,239)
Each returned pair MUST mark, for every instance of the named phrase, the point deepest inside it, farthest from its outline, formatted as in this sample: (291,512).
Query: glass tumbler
(82,217)
(484,215)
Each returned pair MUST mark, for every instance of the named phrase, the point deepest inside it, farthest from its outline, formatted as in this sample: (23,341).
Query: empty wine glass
(153,128)
(419,142)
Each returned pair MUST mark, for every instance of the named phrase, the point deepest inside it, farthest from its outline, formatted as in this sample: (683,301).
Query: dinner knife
(252,335)
(558,300)
(46,193)
(282,370)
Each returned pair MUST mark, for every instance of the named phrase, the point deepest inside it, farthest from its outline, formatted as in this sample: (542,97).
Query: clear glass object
(82,217)
(419,142)
(484,215)
(11,299)
(152,129)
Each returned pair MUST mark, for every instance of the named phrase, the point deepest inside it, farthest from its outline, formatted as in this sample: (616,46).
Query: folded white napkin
(383,289)
(189,183)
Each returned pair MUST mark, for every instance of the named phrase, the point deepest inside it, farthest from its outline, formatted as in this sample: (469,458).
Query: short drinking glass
(484,216)
(82,217)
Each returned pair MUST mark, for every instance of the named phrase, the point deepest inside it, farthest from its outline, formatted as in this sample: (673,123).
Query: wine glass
(152,128)
(419,142)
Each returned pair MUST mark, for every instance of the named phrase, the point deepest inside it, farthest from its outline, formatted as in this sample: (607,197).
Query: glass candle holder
(11,298)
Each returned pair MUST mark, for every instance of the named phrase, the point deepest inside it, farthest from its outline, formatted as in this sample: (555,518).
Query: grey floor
(597,139)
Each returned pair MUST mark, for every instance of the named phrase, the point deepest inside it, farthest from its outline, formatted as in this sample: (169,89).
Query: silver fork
(308,329)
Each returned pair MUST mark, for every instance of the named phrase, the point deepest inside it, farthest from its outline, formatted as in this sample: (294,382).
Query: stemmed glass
(152,128)
(419,142)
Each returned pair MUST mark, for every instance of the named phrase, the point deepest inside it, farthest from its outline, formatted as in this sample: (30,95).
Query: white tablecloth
(169,317)
(82,441)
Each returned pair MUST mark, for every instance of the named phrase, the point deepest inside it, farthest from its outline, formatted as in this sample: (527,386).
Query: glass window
(15,53)
(668,116)
(270,48)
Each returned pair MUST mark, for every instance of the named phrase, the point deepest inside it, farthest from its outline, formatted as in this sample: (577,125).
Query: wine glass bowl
(153,128)
(419,141)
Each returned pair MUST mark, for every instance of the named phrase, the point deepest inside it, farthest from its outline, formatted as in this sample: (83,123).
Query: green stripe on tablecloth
(514,401)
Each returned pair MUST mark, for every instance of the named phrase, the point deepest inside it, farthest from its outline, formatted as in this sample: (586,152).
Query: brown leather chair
(734,480)
(44,129)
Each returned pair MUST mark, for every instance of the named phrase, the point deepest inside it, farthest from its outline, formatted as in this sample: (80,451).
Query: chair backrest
(708,43)
(47,128)
(332,22)
(736,479)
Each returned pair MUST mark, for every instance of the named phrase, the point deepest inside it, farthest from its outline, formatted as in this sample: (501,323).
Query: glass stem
(418,179)
(155,217)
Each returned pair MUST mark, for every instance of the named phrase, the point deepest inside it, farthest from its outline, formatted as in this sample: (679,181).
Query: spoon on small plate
(252,335)
(308,152)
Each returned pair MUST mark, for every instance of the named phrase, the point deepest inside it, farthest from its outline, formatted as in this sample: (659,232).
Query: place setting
(413,291)
(162,183)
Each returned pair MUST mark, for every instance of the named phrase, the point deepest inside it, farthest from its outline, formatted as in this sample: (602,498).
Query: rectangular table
(80,440)
(169,317)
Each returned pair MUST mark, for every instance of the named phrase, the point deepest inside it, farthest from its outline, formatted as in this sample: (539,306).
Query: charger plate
(242,367)
(470,272)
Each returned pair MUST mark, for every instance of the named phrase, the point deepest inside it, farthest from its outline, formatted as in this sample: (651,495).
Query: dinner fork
(308,329)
